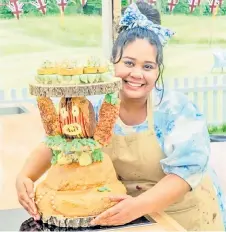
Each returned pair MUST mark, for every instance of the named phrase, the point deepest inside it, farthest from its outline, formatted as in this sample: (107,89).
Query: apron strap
(150,116)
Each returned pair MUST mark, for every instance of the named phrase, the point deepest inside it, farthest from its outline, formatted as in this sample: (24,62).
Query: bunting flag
(16,8)
(214,5)
(40,5)
(220,3)
(193,4)
(83,2)
(152,2)
(172,4)
(62,4)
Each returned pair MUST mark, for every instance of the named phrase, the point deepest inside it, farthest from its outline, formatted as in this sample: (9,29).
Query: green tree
(182,7)
(198,11)
(205,8)
(124,3)
(162,6)
(4,10)
(93,7)
(222,9)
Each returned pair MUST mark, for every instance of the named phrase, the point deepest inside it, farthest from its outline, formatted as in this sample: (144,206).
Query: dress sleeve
(186,144)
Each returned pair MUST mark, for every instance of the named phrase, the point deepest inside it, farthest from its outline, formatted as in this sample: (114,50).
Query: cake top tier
(83,76)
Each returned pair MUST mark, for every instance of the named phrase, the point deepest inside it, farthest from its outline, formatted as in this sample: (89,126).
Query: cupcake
(63,79)
(105,77)
(102,66)
(91,65)
(47,68)
(70,68)
(84,78)
(76,79)
(92,78)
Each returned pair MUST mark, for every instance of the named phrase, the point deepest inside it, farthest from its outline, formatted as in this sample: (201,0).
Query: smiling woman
(160,143)
(137,84)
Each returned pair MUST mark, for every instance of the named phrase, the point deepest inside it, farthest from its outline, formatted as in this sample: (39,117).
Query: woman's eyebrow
(128,57)
(146,61)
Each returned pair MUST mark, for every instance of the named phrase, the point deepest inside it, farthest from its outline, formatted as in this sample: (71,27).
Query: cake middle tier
(76,177)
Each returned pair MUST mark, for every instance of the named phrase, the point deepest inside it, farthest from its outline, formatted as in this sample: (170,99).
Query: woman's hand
(25,192)
(125,211)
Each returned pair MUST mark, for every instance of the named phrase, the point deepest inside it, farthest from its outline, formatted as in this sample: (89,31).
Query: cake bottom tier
(76,203)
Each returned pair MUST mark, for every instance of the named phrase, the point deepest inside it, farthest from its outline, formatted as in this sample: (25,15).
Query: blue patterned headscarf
(134,18)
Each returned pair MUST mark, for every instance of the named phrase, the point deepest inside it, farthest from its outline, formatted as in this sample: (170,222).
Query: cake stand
(79,90)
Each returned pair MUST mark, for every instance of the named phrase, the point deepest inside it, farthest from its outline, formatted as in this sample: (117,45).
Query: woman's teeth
(133,84)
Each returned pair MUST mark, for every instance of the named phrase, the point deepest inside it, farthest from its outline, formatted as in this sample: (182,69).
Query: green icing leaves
(112,98)
(103,189)
(55,157)
(97,155)
(61,144)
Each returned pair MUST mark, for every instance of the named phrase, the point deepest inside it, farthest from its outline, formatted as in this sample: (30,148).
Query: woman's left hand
(125,211)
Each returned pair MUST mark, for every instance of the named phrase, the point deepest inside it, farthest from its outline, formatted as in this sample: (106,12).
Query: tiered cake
(81,177)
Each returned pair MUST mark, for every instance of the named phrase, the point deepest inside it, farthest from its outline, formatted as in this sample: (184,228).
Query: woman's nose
(137,75)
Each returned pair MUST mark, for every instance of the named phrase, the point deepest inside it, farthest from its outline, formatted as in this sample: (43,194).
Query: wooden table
(163,223)
(12,219)
(21,133)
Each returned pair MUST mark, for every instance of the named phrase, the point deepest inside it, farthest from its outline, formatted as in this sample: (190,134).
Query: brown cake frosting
(75,191)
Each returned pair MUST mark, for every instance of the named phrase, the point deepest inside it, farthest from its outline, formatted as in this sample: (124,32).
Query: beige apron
(136,159)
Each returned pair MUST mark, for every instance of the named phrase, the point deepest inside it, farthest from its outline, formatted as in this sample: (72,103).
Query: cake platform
(156,222)
(80,90)
(40,226)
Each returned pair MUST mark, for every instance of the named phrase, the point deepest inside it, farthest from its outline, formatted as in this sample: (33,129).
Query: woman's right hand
(25,192)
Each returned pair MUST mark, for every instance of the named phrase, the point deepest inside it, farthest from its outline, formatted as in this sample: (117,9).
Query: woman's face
(138,69)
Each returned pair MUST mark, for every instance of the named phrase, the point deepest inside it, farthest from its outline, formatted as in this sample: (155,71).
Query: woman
(160,147)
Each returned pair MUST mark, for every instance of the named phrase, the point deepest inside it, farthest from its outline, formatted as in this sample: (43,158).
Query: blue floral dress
(174,115)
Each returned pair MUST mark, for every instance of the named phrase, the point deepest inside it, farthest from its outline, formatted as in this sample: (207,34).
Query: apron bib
(136,158)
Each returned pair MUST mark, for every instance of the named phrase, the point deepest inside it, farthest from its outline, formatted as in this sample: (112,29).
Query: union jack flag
(214,4)
(152,2)
(16,8)
(172,4)
(62,4)
(40,5)
(193,4)
(83,2)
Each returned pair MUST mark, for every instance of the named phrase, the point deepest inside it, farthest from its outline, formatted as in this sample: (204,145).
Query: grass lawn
(24,44)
